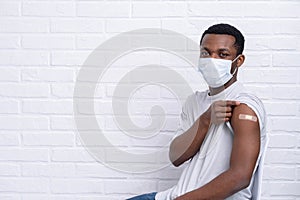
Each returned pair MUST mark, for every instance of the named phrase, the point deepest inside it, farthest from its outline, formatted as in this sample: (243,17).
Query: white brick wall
(44,43)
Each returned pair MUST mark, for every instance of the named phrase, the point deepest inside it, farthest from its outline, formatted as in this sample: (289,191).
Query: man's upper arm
(246,142)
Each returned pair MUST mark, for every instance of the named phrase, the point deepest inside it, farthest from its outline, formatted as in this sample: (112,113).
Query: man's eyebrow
(224,49)
(221,49)
(204,48)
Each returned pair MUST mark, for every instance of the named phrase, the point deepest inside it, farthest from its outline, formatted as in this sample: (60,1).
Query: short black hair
(227,29)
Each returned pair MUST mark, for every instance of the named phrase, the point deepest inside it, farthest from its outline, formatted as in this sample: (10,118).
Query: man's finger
(228,109)
(232,103)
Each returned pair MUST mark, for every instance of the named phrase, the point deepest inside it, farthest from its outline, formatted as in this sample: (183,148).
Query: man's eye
(204,54)
(223,55)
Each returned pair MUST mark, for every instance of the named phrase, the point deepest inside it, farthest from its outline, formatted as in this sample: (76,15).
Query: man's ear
(240,60)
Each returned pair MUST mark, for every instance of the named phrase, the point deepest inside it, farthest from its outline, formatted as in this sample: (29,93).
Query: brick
(69,58)
(144,106)
(110,76)
(62,123)
(24,25)
(122,25)
(24,154)
(75,186)
(284,173)
(9,41)
(46,41)
(100,107)
(262,91)
(68,123)
(10,197)
(286,27)
(22,122)
(48,74)
(257,60)
(276,109)
(286,92)
(71,155)
(208,9)
(77,26)
(129,186)
(116,139)
(24,58)
(10,170)
(61,9)
(89,42)
(24,90)
(47,107)
(10,8)
(162,9)
(284,43)
(270,75)
(282,156)
(285,124)
(298,173)
(97,171)
(103,9)
(38,139)
(9,74)
(77,197)
(59,170)
(190,27)
(180,91)
(283,141)
(151,92)
(140,121)
(244,9)
(258,43)
(9,138)
(134,159)
(253,26)
(83,87)
(282,9)
(9,106)
(282,59)
(284,188)
(62,90)
(28,185)
(35,196)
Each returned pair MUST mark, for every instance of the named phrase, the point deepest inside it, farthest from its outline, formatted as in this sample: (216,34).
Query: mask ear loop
(236,58)
(236,67)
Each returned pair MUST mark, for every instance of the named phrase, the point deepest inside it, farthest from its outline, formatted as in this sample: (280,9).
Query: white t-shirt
(213,158)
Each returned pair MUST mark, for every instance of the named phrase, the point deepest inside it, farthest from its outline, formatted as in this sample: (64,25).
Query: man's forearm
(223,186)
(187,145)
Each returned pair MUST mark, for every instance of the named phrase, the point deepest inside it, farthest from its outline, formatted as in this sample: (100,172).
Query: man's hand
(220,111)
(186,145)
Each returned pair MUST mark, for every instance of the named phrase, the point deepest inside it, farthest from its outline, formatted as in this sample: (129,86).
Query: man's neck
(214,91)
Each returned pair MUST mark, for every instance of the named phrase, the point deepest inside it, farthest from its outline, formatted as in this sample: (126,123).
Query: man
(223,130)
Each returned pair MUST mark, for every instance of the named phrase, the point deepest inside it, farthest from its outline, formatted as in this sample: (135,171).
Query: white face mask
(216,72)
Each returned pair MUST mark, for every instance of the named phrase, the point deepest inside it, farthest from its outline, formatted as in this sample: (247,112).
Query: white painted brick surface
(48,41)
(10,8)
(103,9)
(9,42)
(42,47)
(76,26)
(23,58)
(9,138)
(24,25)
(55,9)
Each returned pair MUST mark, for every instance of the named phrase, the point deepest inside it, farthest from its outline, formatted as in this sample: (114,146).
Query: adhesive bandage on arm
(248,117)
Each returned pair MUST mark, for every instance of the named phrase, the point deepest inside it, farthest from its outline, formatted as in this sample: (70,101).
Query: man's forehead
(219,41)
